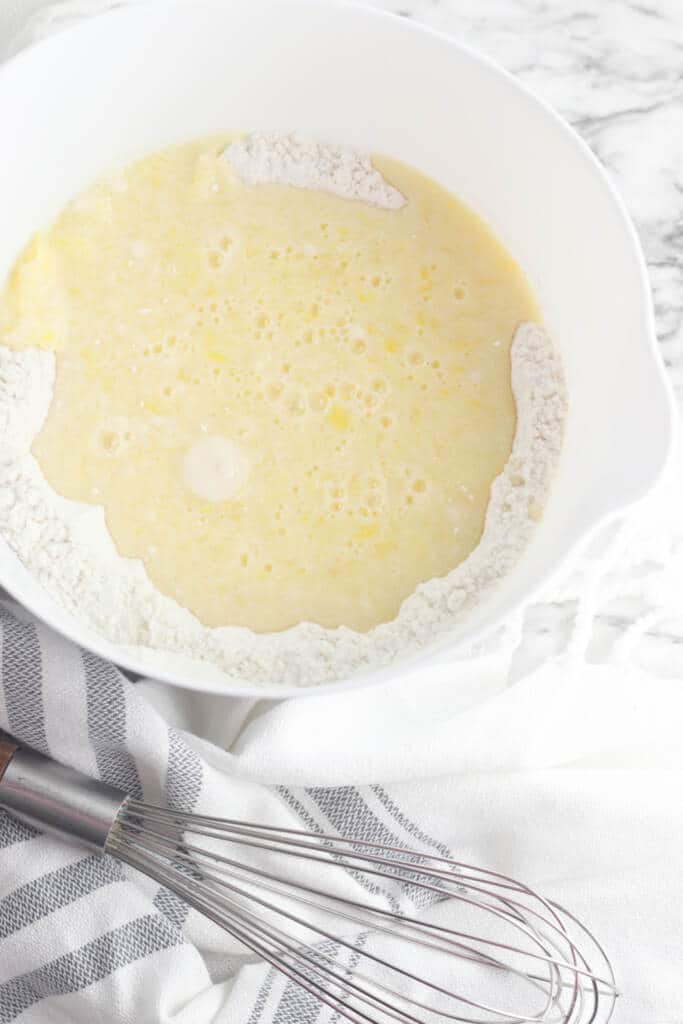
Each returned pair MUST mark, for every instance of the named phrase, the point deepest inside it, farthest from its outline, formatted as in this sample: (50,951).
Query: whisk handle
(54,797)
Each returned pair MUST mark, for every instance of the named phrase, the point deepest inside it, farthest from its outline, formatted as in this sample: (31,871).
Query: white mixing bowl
(138,78)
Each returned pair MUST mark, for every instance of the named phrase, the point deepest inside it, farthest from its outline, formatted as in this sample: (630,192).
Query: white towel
(571,782)
(562,767)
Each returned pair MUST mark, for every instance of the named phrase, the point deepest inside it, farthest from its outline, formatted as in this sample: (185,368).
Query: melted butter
(291,406)
(215,469)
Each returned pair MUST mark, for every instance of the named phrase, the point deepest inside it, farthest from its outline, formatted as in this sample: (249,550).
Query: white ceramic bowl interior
(136,79)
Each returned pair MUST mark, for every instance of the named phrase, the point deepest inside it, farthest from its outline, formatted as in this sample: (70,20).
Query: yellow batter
(291,405)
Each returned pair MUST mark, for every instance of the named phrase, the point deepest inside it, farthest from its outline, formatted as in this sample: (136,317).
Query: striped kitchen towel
(83,938)
(586,807)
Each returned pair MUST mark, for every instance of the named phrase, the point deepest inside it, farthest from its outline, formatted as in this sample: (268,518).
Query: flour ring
(67,546)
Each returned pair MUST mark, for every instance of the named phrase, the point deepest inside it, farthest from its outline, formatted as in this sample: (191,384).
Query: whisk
(379,934)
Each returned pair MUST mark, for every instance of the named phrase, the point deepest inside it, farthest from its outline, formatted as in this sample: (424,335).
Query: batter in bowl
(291,405)
(290,402)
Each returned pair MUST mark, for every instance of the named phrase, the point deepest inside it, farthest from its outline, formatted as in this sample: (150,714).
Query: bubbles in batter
(215,469)
(290,405)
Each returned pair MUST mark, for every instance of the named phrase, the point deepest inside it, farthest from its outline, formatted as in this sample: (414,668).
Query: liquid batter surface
(291,405)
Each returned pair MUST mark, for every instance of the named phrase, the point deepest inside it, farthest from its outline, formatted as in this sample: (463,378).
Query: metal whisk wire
(255,901)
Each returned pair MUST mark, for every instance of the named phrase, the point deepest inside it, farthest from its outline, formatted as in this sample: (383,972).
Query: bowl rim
(455,646)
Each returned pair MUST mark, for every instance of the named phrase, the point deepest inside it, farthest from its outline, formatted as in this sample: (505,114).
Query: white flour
(288,160)
(67,546)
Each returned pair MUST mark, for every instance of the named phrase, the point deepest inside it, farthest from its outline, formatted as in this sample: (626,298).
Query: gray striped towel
(71,920)
(84,938)
(586,808)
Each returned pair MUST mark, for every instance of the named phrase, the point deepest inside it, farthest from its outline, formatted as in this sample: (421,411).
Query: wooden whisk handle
(8,748)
